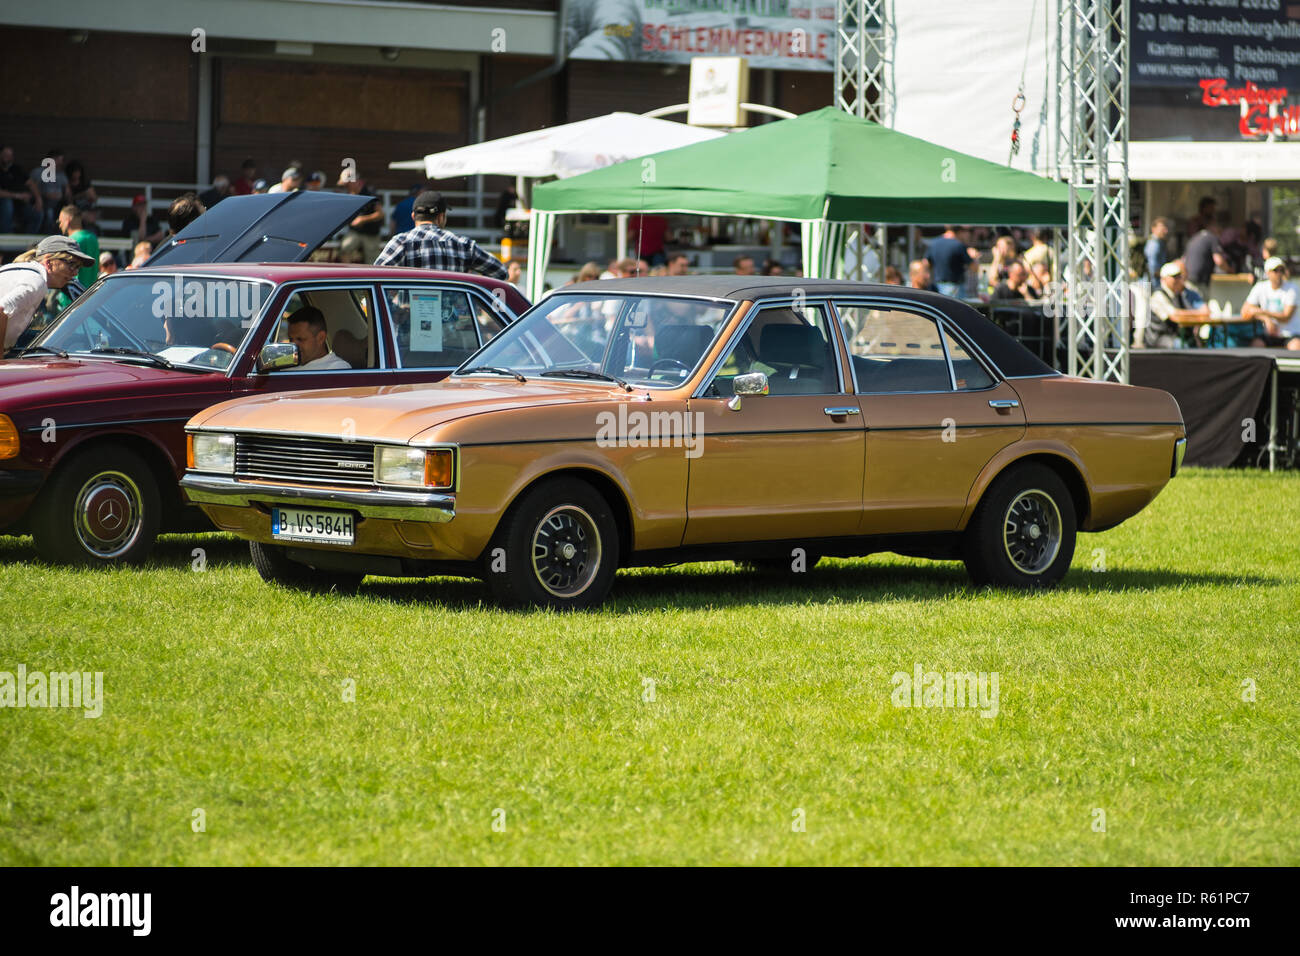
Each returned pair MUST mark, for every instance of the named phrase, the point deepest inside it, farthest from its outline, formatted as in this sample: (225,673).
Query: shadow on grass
(172,551)
(686,586)
(681,588)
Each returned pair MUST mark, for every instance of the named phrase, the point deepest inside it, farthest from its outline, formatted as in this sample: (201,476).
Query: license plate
(301,524)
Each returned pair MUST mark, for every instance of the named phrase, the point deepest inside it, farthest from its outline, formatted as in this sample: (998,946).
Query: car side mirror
(278,356)
(752,383)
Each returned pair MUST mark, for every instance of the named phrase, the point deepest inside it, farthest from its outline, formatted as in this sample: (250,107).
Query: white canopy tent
(562,151)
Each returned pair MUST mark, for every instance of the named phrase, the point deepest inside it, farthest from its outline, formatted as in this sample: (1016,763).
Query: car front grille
(324,461)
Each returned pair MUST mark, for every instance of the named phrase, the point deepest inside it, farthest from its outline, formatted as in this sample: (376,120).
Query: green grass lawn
(1123,692)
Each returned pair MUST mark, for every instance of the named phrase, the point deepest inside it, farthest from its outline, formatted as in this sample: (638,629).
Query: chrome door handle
(1003,403)
(845,410)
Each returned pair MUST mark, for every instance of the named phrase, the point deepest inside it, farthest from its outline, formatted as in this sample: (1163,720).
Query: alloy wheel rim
(107,514)
(566,551)
(1031,531)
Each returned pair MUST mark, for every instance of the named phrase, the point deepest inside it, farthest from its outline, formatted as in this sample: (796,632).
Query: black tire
(100,508)
(1023,531)
(782,567)
(276,567)
(558,547)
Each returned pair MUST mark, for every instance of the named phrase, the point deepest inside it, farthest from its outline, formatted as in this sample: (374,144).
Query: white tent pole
(620,243)
(813,233)
(540,225)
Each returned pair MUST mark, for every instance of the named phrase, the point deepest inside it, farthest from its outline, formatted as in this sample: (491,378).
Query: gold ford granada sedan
(656,421)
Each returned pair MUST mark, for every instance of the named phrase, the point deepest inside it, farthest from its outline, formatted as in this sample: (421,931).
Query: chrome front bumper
(1180,449)
(397,505)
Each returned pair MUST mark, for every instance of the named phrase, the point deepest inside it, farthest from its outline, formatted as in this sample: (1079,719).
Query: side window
(348,315)
(895,351)
(489,321)
(433,328)
(793,348)
(969,373)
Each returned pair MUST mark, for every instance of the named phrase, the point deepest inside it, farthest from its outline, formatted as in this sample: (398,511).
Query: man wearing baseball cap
(1273,302)
(138,225)
(290,181)
(23,284)
(430,245)
(1173,296)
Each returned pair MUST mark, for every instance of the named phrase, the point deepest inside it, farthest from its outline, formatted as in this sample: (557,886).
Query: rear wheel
(101,507)
(558,548)
(276,567)
(1022,534)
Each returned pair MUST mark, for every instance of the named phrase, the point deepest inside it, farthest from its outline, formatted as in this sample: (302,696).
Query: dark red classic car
(92,413)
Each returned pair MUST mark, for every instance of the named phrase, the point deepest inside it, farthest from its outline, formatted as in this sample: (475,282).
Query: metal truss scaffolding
(1093,62)
(863,87)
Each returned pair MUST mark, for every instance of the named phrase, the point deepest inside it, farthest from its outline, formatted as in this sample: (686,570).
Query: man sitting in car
(307,331)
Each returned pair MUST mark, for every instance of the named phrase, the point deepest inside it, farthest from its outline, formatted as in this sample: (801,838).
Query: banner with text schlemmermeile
(771,34)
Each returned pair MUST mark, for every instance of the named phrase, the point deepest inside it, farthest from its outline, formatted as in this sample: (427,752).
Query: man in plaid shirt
(430,246)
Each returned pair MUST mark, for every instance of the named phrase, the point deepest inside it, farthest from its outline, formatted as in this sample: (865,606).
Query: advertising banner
(1179,43)
(770,34)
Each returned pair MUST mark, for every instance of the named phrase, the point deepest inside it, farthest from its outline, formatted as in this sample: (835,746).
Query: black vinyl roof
(1012,359)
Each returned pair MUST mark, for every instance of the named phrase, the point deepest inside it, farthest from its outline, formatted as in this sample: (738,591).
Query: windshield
(645,340)
(187,320)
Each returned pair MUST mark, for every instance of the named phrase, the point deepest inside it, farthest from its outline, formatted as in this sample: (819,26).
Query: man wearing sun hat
(23,284)
(1273,302)
(1172,296)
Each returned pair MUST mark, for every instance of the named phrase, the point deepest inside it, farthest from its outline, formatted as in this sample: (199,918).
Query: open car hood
(267,227)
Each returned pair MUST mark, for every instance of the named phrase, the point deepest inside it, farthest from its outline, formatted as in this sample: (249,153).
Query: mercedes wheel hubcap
(106,515)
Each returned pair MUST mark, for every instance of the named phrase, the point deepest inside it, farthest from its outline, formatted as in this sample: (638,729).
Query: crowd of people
(1181,283)
(672,264)
(57,196)
(1022,270)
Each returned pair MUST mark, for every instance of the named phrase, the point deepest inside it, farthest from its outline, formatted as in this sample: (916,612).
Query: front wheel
(276,567)
(101,507)
(1022,534)
(557,548)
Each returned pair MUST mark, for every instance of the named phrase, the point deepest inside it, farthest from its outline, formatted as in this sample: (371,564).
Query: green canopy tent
(823,169)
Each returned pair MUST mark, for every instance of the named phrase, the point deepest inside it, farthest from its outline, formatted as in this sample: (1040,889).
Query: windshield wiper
(155,359)
(496,369)
(584,373)
(43,348)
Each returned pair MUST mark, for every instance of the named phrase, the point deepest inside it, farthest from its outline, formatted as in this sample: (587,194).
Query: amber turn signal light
(440,468)
(189,451)
(8,438)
